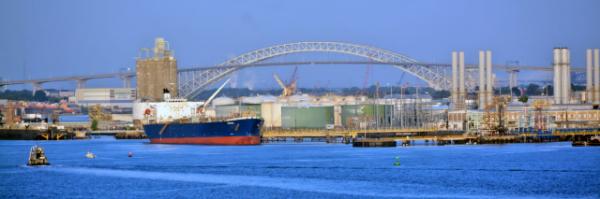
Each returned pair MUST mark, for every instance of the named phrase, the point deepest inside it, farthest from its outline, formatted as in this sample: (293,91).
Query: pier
(52,133)
(378,137)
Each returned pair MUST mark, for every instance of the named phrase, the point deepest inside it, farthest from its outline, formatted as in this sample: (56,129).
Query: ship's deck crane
(209,100)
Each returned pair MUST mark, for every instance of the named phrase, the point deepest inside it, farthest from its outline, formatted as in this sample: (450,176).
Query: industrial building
(333,112)
(107,97)
(59,93)
(526,116)
(497,114)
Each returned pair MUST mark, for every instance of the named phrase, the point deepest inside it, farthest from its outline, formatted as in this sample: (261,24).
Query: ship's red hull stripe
(226,140)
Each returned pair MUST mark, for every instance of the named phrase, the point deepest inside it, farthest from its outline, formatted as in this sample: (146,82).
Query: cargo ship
(238,131)
(177,121)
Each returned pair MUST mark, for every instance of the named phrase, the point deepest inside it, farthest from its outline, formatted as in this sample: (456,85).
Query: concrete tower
(562,76)
(486,79)
(592,76)
(156,73)
(489,77)
(454,91)
(482,88)
(557,76)
(566,76)
(459,91)
(589,74)
(597,76)
(462,91)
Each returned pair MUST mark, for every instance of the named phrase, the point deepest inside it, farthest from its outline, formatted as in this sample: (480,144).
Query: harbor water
(298,170)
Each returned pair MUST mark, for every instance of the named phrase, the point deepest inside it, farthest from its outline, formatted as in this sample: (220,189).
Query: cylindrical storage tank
(299,98)
(271,114)
(268,98)
(349,99)
(336,99)
(227,110)
(252,100)
(222,101)
(251,110)
(337,115)
(245,110)
(266,110)
(371,115)
(325,99)
(313,117)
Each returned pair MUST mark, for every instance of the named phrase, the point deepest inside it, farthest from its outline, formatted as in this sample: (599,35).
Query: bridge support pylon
(81,83)
(126,81)
(36,86)
(512,78)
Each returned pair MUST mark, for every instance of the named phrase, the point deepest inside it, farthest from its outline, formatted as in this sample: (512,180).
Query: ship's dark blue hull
(232,132)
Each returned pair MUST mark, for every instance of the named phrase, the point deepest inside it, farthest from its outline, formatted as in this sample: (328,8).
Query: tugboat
(37,156)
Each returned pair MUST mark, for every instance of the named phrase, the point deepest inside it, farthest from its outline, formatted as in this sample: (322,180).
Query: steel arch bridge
(192,82)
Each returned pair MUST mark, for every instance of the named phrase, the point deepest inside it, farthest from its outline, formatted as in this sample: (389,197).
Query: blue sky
(68,37)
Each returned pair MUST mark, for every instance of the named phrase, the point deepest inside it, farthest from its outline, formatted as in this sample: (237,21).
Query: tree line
(26,95)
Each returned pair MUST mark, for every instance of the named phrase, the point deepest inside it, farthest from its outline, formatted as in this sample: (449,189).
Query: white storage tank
(271,114)
(222,101)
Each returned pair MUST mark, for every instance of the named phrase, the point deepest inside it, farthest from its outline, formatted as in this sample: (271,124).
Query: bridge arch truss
(192,82)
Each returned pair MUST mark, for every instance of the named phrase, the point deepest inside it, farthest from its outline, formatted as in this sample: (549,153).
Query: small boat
(90,155)
(37,156)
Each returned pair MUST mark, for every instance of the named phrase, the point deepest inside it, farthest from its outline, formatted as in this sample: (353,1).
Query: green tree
(40,96)
(440,94)
(516,91)
(94,126)
(549,90)
(533,89)
(523,99)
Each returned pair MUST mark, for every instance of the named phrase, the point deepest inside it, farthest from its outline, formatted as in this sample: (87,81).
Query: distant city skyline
(58,38)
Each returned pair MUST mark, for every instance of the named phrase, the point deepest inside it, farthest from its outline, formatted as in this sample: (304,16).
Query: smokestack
(589,74)
(557,78)
(597,75)
(566,76)
(489,79)
(482,94)
(461,78)
(454,91)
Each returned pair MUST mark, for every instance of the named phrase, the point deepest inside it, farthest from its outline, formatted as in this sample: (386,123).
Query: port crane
(289,89)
